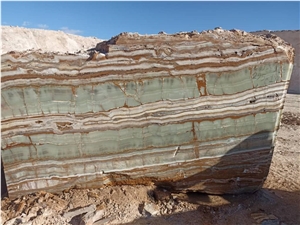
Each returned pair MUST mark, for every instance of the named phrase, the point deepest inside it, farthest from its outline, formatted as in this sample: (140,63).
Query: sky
(105,19)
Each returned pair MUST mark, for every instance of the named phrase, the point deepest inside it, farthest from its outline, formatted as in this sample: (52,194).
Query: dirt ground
(277,203)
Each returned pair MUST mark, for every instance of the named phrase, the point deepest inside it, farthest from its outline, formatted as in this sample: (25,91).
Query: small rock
(33,212)
(165,211)
(4,216)
(14,221)
(20,207)
(162,32)
(151,208)
(91,217)
(161,194)
(264,219)
(69,215)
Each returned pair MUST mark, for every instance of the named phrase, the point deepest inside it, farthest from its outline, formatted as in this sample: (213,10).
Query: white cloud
(70,31)
(25,23)
(43,26)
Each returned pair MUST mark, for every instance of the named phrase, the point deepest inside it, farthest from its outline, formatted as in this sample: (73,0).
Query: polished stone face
(188,111)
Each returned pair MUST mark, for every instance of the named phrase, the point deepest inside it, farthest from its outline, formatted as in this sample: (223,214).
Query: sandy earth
(278,202)
(23,39)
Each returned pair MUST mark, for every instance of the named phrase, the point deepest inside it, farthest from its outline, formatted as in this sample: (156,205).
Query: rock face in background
(292,37)
(189,111)
(23,39)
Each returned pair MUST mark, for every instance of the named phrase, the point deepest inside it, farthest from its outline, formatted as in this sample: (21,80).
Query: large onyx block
(189,111)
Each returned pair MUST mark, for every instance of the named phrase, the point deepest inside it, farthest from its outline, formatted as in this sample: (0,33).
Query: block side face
(195,114)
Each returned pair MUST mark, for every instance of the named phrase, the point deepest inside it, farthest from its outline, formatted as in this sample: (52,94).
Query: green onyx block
(228,82)
(108,96)
(14,97)
(31,98)
(266,74)
(83,100)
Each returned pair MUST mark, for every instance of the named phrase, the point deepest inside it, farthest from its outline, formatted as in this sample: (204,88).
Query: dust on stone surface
(278,202)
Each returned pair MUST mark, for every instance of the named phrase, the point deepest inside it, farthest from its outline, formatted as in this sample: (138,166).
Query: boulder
(188,112)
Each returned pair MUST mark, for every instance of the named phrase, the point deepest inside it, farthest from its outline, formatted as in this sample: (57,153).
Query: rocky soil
(278,202)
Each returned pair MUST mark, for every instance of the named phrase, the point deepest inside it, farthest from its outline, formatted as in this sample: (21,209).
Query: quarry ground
(278,202)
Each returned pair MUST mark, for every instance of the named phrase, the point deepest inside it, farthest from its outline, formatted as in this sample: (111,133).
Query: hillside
(22,39)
